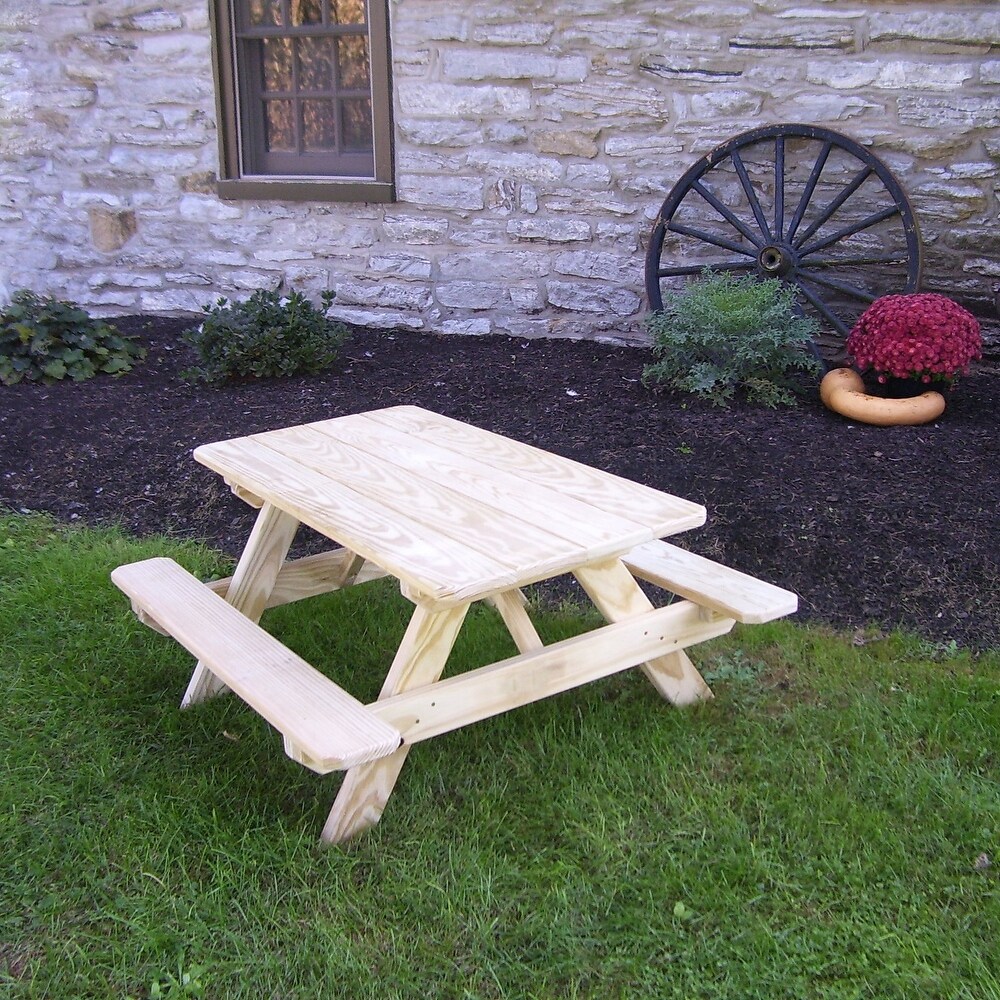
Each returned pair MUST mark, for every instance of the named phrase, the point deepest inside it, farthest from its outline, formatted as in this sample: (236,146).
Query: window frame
(233,183)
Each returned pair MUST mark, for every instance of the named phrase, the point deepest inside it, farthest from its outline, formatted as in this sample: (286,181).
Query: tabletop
(455,512)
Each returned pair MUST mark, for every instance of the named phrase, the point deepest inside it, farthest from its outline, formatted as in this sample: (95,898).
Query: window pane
(319,125)
(352,56)
(279,120)
(277,64)
(306,12)
(315,64)
(348,11)
(265,12)
(357,113)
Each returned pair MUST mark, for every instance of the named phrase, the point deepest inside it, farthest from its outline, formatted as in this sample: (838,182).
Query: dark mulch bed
(879,526)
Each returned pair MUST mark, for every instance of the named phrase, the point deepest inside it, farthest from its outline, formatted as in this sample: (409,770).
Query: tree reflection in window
(314,92)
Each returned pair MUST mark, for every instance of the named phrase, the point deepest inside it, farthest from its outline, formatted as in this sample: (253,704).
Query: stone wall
(535,142)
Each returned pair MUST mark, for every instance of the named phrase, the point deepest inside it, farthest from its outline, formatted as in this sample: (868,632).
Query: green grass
(812,833)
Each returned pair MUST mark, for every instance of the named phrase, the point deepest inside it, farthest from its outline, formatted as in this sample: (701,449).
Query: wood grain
(330,729)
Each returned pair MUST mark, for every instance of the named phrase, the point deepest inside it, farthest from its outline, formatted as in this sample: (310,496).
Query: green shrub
(45,340)
(722,333)
(268,334)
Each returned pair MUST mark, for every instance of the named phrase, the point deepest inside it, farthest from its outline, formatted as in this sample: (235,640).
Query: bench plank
(329,729)
(710,584)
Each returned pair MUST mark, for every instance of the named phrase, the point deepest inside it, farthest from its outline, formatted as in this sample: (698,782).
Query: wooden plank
(710,584)
(597,531)
(661,513)
(480,694)
(526,549)
(510,604)
(258,568)
(332,728)
(434,564)
(298,579)
(311,576)
(419,662)
(618,597)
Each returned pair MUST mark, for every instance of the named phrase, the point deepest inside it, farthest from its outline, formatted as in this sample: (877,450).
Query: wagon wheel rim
(837,226)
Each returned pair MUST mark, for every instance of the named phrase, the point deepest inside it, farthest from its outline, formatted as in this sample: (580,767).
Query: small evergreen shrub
(268,334)
(46,340)
(724,333)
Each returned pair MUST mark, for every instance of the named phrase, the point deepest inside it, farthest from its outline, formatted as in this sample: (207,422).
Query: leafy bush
(722,333)
(45,340)
(268,334)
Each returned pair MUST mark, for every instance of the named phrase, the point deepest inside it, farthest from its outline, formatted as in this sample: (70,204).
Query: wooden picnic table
(456,514)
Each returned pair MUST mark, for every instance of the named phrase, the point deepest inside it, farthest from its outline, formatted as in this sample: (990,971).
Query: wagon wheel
(800,203)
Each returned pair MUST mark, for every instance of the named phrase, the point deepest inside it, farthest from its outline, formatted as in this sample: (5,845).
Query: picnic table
(456,514)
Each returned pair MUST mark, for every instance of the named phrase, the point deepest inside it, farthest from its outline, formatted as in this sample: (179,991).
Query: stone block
(951,114)
(727,102)
(204,208)
(625,104)
(629,33)
(511,265)
(526,298)
(377,319)
(391,295)
(477,327)
(519,166)
(125,279)
(567,142)
(896,74)
(482,64)
(111,229)
(524,33)
(404,265)
(440,191)
(549,230)
(598,264)
(175,301)
(449,101)
(420,231)
(954,27)
(805,35)
(424,132)
(579,296)
(692,67)
(471,294)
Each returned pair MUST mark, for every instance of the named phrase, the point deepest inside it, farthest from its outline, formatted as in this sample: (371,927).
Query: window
(304,99)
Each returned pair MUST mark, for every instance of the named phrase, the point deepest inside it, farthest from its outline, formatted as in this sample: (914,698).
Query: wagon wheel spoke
(779,184)
(852,230)
(888,258)
(797,203)
(715,240)
(807,191)
(758,212)
(821,307)
(839,286)
(741,227)
(732,265)
(833,206)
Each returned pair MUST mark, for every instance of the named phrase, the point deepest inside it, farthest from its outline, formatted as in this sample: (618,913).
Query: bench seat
(325,728)
(709,584)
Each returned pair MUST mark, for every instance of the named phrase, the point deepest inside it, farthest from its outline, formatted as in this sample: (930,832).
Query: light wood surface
(330,729)
(710,584)
(520,680)
(454,512)
(618,597)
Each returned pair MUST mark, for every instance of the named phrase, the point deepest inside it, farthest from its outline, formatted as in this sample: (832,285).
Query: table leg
(420,660)
(613,589)
(251,586)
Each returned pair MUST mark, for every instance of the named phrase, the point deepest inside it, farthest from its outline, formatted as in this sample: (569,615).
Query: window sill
(294,189)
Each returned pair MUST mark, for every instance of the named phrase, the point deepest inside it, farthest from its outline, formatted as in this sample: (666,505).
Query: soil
(872,527)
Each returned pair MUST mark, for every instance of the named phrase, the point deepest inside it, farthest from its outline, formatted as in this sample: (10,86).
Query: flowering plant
(922,336)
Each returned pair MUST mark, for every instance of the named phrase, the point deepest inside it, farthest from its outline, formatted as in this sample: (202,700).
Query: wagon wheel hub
(776,261)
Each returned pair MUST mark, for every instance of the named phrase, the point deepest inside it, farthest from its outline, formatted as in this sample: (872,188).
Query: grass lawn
(822,829)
